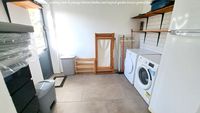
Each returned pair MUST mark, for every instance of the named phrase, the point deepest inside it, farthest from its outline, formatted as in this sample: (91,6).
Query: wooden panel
(105,36)
(85,71)
(156,31)
(156,12)
(85,65)
(27,4)
(105,70)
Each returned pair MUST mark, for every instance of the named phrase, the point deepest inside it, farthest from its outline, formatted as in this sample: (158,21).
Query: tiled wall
(166,20)
(154,23)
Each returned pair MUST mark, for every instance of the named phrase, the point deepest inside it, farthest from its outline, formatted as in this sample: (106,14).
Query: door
(144,78)
(129,67)
(41,40)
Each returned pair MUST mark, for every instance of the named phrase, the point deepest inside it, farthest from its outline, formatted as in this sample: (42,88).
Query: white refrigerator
(177,87)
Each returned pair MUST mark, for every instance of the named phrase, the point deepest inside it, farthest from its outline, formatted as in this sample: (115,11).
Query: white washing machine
(131,61)
(145,76)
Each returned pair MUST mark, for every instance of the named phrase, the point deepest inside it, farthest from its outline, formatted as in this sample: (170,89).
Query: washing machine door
(145,79)
(129,66)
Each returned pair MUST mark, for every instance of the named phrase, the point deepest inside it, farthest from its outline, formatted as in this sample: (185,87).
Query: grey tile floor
(98,94)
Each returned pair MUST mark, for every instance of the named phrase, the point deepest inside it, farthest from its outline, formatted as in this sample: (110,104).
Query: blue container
(157,4)
(160,1)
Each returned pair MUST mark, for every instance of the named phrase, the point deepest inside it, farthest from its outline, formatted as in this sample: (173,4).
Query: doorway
(41,42)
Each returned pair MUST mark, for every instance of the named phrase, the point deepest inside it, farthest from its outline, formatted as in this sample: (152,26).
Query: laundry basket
(46,95)
(68,64)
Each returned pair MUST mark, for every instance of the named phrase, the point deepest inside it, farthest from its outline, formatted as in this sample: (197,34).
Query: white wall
(3,15)
(198,111)
(76,25)
(6,104)
(147,7)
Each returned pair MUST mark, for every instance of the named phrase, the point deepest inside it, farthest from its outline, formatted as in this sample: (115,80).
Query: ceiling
(98,1)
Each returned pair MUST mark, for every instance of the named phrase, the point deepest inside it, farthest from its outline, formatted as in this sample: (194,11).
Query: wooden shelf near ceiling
(156,12)
(155,31)
(27,4)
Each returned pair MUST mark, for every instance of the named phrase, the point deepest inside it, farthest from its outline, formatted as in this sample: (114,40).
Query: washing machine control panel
(151,65)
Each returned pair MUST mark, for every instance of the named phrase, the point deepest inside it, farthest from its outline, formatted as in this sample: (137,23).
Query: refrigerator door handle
(186,32)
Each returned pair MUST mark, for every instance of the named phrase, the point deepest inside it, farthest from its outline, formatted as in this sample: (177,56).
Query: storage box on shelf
(157,4)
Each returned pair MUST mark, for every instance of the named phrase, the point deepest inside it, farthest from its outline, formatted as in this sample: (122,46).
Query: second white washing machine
(145,76)
(131,61)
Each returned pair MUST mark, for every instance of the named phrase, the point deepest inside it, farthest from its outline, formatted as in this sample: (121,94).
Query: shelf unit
(161,11)
(156,12)
(85,65)
(154,31)
(27,4)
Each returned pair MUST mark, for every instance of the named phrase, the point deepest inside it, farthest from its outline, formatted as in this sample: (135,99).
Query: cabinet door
(23,96)
(15,81)
(33,106)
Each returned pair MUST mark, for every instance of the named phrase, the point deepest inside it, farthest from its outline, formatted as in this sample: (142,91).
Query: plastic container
(68,64)
(157,4)
(45,91)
